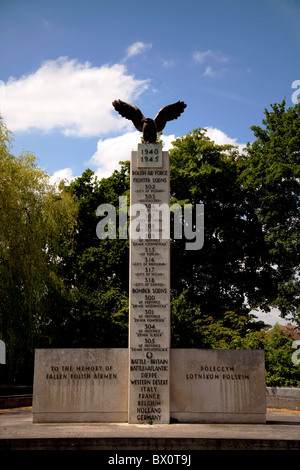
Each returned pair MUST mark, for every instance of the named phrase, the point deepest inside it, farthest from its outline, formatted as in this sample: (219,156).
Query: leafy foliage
(34,220)
(271,176)
(225,271)
(97,269)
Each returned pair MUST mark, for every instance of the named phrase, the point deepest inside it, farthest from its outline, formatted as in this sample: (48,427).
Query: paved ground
(17,432)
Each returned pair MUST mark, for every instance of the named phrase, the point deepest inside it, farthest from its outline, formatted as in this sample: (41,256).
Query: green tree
(251,248)
(97,269)
(280,369)
(271,177)
(220,275)
(35,220)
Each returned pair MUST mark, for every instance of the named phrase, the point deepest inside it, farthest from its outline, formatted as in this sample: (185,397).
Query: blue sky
(63,62)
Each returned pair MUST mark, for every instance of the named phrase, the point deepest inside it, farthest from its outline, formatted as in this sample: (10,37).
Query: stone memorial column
(149,312)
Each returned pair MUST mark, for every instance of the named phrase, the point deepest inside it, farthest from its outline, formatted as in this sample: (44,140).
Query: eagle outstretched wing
(130,112)
(168,113)
(148,126)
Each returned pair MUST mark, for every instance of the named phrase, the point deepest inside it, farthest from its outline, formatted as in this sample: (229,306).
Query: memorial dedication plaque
(149,316)
(80,385)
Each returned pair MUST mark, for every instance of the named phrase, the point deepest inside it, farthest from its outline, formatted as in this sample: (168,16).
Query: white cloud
(137,48)
(113,150)
(70,96)
(209,56)
(209,72)
(200,57)
(270,318)
(168,63)
(220,138)
(167,141)
(64,174)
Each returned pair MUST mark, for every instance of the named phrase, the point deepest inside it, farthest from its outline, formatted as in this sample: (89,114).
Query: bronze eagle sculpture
(149,127)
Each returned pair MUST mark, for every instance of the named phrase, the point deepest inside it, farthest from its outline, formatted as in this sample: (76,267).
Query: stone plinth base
(206,386)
